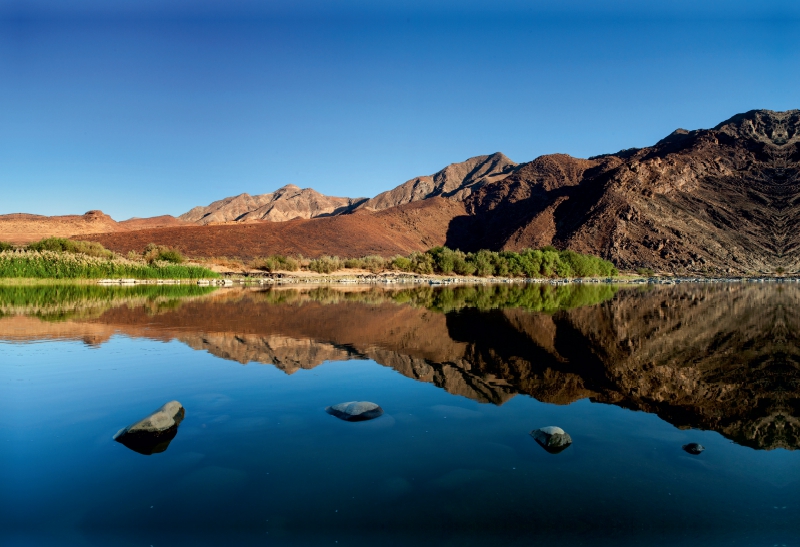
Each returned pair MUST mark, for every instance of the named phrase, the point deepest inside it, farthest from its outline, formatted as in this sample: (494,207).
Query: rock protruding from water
(152,434)
(693,448)
(552,438)
(355,411)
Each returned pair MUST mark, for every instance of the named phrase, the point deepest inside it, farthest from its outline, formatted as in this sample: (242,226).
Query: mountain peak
(765,126)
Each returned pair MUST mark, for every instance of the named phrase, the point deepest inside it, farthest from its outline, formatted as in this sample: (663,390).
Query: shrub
(153,253)
(401,263)
(373,263)
(5,246)
(325,264)
(645,272)
(60,244)
(276,263)
(547,262)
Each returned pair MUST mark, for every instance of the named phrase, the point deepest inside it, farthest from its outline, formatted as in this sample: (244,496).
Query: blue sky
(146,108)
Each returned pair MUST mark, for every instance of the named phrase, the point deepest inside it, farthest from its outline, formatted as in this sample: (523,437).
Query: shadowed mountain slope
(723,199)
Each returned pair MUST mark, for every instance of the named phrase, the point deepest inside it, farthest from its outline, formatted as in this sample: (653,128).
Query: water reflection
(719,357)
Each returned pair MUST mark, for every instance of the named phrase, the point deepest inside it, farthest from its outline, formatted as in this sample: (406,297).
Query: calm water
(463,376)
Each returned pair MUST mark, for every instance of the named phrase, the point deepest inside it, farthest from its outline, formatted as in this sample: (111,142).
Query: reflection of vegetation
(61,302)
(532,297)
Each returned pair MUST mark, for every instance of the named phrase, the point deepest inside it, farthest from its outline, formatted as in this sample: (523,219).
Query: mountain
(21,228)
(286,203)
(457,181)
(712,201)
(717,200)
(411,227)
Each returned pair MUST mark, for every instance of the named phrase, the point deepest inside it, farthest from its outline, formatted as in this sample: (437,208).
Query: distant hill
(456,181)
(21,228)
(286,203)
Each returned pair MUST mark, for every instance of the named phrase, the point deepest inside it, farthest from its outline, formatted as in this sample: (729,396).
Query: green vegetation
(276,263)
(59,244)
(59,302)
(5,246)
(59,258)
(325,264)
(529,263)
(645,272)
(543,298)
(160,253)
(70,265)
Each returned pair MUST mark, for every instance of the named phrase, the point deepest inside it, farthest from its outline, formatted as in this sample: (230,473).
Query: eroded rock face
(355,411)
(286,203)
(724,199)
(153,433)
(552,438)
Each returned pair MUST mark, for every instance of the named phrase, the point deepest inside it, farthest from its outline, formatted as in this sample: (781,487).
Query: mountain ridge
(719,201)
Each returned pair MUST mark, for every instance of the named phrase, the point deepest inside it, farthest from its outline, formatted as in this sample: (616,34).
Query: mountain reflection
(721,357)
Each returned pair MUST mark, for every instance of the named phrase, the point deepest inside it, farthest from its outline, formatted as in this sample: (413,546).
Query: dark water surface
(463,376)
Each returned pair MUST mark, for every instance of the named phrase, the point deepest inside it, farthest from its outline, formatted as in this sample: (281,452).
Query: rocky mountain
(718,200)
(286,203)
(714,201)
(457,181)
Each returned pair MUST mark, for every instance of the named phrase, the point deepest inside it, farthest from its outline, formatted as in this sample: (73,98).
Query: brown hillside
(412,227)
(21,228)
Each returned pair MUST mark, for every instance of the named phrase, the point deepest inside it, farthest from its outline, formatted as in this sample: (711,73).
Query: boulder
(355,411)
(552,438)
(153,433)
(693,448)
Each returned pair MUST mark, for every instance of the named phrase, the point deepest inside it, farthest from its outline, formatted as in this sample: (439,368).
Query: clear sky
(141,108)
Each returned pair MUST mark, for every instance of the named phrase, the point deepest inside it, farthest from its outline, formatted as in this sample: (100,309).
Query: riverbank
(401,278)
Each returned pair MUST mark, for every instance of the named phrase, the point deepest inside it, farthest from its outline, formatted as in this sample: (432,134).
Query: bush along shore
(57,258)
(529,263)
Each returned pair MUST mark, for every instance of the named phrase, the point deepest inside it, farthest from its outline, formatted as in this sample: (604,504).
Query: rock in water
(693,448)
(152,434)
(551,438)
(355,411)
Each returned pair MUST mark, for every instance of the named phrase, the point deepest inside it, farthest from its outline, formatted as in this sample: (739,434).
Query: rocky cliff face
(286,203)
(722,200)
(457,181)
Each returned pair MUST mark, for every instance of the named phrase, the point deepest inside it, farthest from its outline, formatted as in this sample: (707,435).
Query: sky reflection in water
(258,460)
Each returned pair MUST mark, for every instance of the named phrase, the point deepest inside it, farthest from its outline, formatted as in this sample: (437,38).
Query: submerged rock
(355,411)
(693,448)
(152,434)
(552,438)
